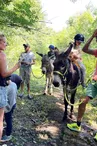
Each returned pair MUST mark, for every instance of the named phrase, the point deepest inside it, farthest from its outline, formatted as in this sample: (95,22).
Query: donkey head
(61,65)
(45,63)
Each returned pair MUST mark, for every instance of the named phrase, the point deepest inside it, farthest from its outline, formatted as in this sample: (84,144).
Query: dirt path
(38,122)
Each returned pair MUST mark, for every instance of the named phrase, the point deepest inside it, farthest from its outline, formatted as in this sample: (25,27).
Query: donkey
(63,74)
(47,69)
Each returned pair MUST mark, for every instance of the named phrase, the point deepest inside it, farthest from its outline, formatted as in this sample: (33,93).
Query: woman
(3,74)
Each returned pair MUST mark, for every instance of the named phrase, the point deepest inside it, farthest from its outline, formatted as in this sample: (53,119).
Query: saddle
(74,67)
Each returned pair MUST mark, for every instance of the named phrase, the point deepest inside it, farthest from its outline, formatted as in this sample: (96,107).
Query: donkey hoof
(64,119)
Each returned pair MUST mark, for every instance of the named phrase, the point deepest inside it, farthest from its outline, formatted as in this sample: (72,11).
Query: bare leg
(46,86)
(28,88)
(82,108)
(22,86)
(1,121)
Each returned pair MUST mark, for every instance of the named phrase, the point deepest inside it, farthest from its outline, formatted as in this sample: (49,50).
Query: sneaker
(95,137)
(21,95)
(29,96)
(6,138)
(74,127)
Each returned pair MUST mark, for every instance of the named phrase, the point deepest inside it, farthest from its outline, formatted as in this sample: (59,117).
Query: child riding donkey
(76,57)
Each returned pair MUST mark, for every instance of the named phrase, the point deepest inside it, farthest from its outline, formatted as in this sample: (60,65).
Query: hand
(24,62)
(17,65)
(95,77)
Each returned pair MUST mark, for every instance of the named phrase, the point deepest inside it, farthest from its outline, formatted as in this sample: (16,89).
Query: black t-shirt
(51,55)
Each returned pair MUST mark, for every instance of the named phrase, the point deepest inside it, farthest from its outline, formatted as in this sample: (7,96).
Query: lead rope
(75,104)
(65,95)
(37,77)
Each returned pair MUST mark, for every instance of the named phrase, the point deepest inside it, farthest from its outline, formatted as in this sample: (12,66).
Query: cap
(26,45)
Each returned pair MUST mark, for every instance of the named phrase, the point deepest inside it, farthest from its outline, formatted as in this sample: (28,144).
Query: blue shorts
(3,97)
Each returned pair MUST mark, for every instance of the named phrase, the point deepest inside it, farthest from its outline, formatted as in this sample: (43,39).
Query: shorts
(25,74)
(3,97)
(91,90)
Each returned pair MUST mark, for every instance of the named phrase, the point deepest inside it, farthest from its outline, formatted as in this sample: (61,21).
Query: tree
(21,13)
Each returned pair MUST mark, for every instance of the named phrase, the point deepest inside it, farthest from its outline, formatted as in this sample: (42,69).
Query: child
(51,54)
(12,82)
(75,56)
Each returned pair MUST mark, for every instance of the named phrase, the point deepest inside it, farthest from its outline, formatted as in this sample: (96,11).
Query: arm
(86,46)
(24,62)
(3,66)
(28,63)
(33,62)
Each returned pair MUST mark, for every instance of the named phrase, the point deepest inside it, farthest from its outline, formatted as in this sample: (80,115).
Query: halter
(62,75)
(65,95)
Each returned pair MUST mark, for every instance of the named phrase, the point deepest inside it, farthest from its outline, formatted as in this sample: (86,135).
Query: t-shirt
(51,55)
(77,51)
(27,57)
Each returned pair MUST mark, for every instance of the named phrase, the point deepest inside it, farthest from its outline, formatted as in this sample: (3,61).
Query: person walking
(91,90)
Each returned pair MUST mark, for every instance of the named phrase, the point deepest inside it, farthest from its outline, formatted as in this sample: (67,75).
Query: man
(91,90)
(27,59)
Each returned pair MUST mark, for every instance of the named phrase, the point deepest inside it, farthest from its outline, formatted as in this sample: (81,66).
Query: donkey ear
(67,52)
(40,54)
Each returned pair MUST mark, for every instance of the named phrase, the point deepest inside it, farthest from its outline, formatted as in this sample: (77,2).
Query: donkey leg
(46,86)
(50,89)
(65,112)
(66,105)
(50,86)
(72,101)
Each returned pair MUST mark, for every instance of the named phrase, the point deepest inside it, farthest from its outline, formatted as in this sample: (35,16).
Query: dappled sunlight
(43,136)
(52,129)
(61,106)
(93,124)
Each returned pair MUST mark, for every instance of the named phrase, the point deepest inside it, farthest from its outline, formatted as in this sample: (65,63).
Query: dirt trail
(38,122)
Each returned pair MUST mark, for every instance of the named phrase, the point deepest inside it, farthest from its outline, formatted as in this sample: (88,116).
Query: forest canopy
(23,21)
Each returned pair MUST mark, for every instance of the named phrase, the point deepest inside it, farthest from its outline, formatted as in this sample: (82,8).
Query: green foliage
(23,16)
(22,13)
(4,3)
(76,24)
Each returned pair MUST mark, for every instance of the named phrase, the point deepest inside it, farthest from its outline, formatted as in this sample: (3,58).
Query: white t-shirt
(27,57)
(77,52)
